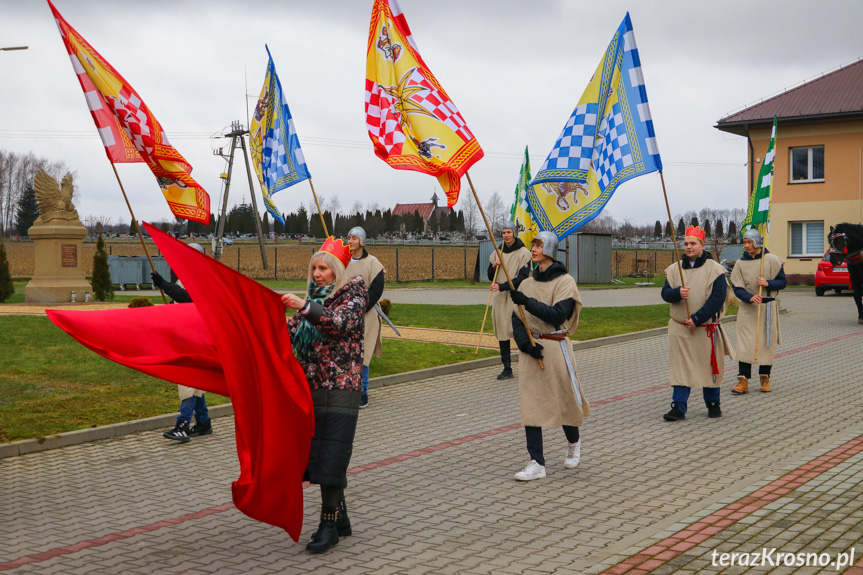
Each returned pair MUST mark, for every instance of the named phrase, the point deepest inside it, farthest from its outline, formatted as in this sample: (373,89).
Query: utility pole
(237,135)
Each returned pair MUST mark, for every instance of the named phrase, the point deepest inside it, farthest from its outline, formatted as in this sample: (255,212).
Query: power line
(304,141)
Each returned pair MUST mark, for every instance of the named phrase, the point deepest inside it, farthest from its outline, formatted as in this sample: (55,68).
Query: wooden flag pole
(760,274)
(485,315)
(320,213)
(137,227)
(502,265)
(674,241)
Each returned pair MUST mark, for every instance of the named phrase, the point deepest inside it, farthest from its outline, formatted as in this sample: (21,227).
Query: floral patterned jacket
(337,358)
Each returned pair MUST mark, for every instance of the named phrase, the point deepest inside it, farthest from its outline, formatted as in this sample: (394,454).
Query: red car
(828,277)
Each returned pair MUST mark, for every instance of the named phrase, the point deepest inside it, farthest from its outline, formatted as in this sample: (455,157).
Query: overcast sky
(515,69)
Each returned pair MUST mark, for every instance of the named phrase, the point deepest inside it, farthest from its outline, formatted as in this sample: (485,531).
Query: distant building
(425,211)
(818,170)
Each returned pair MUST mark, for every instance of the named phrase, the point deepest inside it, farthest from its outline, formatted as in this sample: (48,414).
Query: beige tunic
(502,306)
(688,351)
(745,275)
(547,396)
(368,267)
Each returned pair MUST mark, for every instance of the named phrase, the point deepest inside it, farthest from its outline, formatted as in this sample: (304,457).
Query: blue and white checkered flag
(608,139)
(276,152)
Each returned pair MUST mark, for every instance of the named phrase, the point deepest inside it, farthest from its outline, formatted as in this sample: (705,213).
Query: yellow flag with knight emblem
(411,121)
(608,139)
(520,211)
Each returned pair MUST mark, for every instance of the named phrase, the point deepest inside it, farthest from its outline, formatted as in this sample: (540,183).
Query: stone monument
(57,234)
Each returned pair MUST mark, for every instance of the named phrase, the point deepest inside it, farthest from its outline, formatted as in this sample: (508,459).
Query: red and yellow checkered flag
(129,130)
(411,121)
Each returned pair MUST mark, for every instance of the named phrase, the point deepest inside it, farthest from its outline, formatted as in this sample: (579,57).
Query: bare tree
(98,224)
(334,206)
(496,213)
(357,208)
(601,224)
(16,173)
(471,215)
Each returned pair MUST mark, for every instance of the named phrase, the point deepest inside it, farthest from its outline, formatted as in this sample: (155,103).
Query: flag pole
(137,227)
(502,265)
(485,315)
(320,213)
(761,275)
(674,241)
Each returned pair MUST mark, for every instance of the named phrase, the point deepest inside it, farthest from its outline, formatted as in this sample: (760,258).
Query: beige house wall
(839,198)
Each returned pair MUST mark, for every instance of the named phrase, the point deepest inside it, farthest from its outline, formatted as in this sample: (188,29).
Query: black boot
(205,428)
(713,409)
(327,534)
(505,359)
(179,433)
(676,414)
(343,523)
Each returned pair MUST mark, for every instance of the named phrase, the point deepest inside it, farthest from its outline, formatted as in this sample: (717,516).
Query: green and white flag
(520,211)
(758,214)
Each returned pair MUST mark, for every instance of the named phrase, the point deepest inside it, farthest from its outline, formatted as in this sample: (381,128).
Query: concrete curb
(80,436)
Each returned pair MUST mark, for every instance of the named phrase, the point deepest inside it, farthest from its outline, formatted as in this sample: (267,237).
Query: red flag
(129,130)
(411,120)
(232,340)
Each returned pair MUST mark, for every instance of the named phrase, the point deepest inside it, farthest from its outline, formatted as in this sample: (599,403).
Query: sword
(768,301)
(715,347)
(571,369)
(386,319)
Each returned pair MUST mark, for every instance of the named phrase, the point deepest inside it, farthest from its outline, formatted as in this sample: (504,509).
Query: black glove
(518,298)
(535,351)
(158,281)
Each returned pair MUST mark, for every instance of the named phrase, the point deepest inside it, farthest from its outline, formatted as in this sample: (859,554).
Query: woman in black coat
(327,337)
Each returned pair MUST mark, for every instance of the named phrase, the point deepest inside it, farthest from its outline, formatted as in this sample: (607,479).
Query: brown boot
(741,387)
(765,383)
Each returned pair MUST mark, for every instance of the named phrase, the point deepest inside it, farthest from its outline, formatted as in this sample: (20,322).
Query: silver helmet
(549,243)
(754,235)
(359,232)
(197,247)
(509,226)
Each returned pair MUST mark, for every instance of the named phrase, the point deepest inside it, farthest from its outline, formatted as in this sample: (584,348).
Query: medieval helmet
(549,243)
(197,247)
(359,232)
(510,225)
(754,235)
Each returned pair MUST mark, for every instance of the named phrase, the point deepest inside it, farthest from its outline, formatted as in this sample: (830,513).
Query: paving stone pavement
(431,487)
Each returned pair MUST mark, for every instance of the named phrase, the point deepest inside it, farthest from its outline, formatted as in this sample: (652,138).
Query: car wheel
(837,290)
(819,291)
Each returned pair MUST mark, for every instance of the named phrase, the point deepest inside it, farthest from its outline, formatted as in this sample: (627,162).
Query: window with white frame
(807,239)
(807,164)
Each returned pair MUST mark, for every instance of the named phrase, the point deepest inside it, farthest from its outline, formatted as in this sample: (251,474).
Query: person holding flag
(749,279)
(697,345)
(370,269)
(552,396)
(515,257)
(758,333)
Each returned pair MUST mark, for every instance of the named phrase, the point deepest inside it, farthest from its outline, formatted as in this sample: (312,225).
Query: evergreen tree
(279,227)
(302,220)
(461,221)
(265,225)
(732,229)
(102,288)
(434,224)
(668,228)
(28,210)
(133,230)
(719,231)
(418,223)
(708,231)
(681,228)
(694,221)
(213,223)
(6,286)
(657,229)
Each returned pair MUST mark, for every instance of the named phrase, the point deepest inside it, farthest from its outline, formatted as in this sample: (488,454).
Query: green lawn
(51,384)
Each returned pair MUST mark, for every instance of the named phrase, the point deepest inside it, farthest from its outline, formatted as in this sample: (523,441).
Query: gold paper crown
(338,249)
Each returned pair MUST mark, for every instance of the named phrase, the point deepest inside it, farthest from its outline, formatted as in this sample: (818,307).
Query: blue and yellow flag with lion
(608,139)
(276,153)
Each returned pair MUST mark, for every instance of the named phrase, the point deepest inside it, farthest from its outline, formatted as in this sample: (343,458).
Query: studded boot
(343,523)
(327,534)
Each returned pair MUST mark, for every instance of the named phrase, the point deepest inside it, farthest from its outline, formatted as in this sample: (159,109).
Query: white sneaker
(573,455)
(532,470)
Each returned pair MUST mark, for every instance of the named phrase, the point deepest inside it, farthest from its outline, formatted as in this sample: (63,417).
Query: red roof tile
(425,210)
